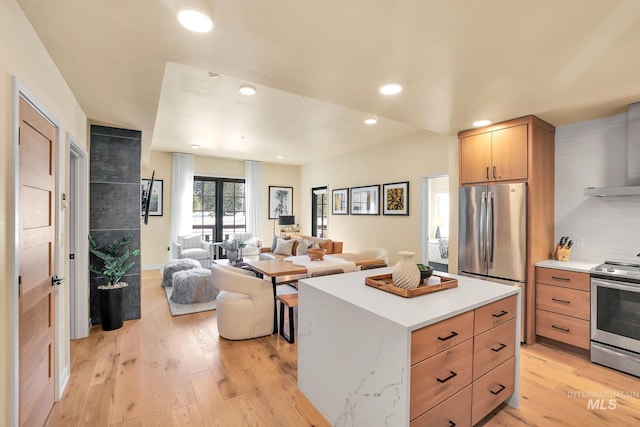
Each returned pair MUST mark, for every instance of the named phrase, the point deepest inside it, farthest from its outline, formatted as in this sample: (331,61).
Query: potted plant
(233,247)
(114,262)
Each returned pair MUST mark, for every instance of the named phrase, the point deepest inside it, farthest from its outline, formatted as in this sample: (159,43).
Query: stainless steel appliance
(493,235)
(615,316)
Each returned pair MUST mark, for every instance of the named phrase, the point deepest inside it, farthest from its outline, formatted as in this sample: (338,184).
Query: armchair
(253,244)
(244,307)
(192,246)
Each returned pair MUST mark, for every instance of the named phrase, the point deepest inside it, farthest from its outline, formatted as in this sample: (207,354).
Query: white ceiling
(317,67)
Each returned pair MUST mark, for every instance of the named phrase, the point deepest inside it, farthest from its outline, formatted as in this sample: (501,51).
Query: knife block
(562,254)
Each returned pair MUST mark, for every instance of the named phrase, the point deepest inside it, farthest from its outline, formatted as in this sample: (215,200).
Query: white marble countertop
(578,266)
(412,313)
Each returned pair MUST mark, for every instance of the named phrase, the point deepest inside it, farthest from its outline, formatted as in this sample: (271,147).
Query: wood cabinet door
(475,158)
(509,153)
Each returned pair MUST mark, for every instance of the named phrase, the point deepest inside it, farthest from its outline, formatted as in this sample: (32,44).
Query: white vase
(406,274)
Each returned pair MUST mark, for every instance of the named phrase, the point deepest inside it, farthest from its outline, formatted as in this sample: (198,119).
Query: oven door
(615,313)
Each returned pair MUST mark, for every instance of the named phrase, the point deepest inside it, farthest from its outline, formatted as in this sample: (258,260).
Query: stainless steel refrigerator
(493,236)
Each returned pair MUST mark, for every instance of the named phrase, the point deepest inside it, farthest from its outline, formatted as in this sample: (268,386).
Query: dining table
(281,268)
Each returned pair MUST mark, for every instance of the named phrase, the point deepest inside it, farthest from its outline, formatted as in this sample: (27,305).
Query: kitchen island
(370,358)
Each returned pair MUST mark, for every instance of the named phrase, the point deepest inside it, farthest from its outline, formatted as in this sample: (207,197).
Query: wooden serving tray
(384,282)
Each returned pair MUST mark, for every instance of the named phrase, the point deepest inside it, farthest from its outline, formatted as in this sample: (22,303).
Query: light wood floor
(176,371)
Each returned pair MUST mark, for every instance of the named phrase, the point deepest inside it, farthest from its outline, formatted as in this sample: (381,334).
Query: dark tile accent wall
(114,198)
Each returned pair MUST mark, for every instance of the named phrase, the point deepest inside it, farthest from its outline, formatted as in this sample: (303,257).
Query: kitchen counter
(354,345)
(578,266)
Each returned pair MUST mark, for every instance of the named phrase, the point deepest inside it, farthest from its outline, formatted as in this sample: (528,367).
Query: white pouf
(175,265)
(193,286)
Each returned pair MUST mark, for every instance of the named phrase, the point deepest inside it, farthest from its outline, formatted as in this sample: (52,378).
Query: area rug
(181,309)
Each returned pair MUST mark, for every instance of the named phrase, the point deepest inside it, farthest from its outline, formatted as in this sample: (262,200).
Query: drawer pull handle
(452,424)
(498,392)
(560,301)
(562,279)
(500,347)
(453,374)
(561,329)
(453,334)
(502,313)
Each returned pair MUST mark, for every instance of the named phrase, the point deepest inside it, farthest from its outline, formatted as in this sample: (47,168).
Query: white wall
(23,55)
(408,159)
(594,154)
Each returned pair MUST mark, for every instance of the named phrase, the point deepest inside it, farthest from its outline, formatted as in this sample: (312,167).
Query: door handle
(499,390)
(453,334)
(56,281)
(500,347)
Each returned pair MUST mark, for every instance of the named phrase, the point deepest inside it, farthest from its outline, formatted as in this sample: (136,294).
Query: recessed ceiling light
(480,123)
(195,146)
(280,157)
(371,121)
(195,20)
(391,89)
(247,90)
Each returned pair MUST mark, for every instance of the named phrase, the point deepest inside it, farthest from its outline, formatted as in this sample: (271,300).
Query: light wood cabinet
(456,410)
(518,150)
(563,306)
(465,362)
(427,341)
(499,155)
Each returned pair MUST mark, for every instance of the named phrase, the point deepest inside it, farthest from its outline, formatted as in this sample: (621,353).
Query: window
(218,207)
(319,212)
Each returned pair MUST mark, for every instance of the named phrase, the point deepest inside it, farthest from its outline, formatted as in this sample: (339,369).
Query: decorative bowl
(425,271)
(316,254)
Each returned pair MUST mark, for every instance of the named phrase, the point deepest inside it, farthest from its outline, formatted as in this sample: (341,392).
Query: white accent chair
(192,246)
(254,244)
(245,304)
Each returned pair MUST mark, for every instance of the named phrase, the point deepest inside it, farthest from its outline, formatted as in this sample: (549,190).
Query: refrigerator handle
(483,222)
(490,233)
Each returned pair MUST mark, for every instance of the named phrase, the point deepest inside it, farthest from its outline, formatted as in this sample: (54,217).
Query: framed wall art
(365,200)
(280,201)
(153,197)
(395,198)
(340,201)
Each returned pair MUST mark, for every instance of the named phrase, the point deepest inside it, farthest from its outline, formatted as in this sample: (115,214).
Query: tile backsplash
(594,154)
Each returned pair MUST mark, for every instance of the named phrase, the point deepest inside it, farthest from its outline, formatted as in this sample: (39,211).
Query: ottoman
(175,265)
(193,286)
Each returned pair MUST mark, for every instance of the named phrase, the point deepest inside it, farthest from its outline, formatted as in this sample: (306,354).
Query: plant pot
(111,303)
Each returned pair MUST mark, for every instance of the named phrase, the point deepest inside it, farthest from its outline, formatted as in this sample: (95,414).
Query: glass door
(319,212)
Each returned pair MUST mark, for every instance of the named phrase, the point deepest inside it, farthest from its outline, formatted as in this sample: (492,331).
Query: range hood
(633,160)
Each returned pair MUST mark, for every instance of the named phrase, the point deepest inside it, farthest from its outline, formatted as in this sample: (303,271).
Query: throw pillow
(284,247)
(326,244)
(303,245)
(274,244)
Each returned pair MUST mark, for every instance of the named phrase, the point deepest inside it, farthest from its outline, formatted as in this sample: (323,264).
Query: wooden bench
(290,301)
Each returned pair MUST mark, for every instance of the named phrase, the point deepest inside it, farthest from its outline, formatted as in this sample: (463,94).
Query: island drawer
(439,377)
(493,347)
(563,328)
(492,389)
(567,301)
(494,314)
(456,410)
(564,278)
(433,339)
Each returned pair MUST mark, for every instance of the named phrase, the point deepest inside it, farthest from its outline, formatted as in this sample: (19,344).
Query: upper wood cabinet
(499,155)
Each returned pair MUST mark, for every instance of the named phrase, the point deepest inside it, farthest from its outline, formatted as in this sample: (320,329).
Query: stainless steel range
(615,316)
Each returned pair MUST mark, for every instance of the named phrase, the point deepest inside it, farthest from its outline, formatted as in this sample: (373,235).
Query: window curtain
(253,197)
(181,196)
